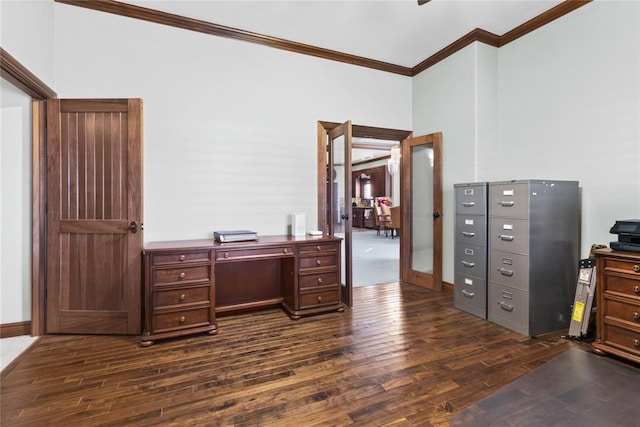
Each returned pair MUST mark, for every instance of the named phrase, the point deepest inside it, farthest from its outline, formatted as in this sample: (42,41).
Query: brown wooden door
(94,214)
(340,202)
(421,199)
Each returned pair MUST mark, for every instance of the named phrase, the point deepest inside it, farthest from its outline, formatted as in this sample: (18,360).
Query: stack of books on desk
(234,236)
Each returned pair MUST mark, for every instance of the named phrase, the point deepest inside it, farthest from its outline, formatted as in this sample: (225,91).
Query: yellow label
(578,311)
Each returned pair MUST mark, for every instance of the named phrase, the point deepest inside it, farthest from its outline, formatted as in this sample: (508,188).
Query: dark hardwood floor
(402,356)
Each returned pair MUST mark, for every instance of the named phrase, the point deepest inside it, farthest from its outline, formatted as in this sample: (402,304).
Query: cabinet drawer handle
(505,306)
(636,342)
(506,204)
(182,297)
(468,234)
(182,275)
(320,281)
(468,294)
(468,204)
(318,262)
(636,316)
(182,319)
(319,298)
(505,237)
(182,258)
(636,268)
(284,250)
(226,254)
(505,272)
(318,248)
(468,264)
(636,289)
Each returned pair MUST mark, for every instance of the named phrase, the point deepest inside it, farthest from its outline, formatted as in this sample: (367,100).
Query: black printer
(628,231)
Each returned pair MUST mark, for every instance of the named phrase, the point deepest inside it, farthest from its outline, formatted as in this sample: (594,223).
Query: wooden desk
(618,304)
(187,282)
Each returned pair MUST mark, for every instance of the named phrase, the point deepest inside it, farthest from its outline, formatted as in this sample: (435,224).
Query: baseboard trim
(14,362)
(8,330)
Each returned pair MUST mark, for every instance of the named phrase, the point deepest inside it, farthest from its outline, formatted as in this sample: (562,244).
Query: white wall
(230,127)
(444,100)
(15,204)
(569,108)
(26,33)
(562,102)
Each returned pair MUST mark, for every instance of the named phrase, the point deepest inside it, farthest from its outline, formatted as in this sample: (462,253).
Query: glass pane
(422,208)
(338,192)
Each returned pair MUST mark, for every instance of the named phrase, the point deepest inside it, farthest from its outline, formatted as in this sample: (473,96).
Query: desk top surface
(212,244)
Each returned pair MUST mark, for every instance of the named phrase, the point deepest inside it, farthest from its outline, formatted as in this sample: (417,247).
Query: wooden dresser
(618,304)
(188,282)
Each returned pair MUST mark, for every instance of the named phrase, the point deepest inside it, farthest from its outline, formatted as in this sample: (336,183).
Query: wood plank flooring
(403,356)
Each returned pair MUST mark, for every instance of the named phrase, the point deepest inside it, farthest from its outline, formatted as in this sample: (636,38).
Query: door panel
(340,211)
(94,208)
(421,195)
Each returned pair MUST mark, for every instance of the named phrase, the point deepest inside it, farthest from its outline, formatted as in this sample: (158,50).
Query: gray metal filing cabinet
(534,244)
(470,271)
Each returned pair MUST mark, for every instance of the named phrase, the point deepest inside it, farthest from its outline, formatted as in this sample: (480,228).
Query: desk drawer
(622,338)
(318,261)
(317,299)
(182,296)
(319,247)
(621,284)
(180,257)
(254,253)
(180,274)
(623,311)
(322,279)
(183,319)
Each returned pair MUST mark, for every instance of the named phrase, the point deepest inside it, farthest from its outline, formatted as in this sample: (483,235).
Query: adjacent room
(280,213)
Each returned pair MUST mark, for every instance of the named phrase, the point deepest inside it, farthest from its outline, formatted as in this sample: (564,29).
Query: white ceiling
(395,31)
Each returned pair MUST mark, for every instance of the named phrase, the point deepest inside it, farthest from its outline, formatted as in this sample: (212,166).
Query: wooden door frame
(435,139)
(14,72)
(358,131)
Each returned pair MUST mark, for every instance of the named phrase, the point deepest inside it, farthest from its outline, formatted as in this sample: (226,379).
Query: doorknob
(133,227)
(436,215)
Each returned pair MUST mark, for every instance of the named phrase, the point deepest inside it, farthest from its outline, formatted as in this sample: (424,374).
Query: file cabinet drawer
(509,235)
(510,269)
(509,200)
(508,307)
(471,229)
(470,199)
(470,260)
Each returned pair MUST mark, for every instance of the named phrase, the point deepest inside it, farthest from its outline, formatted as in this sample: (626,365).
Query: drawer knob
(320,281)
(285,250)
(320,300)
(636,316)
(636,268)
(182,275)
(636,289)
(318,248)
(182,319)
(226,254)
(318,262)
(182,257)
(636,342)
(182,297)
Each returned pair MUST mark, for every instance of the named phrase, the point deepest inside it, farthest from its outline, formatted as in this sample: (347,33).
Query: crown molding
(477,35)
(14,72)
